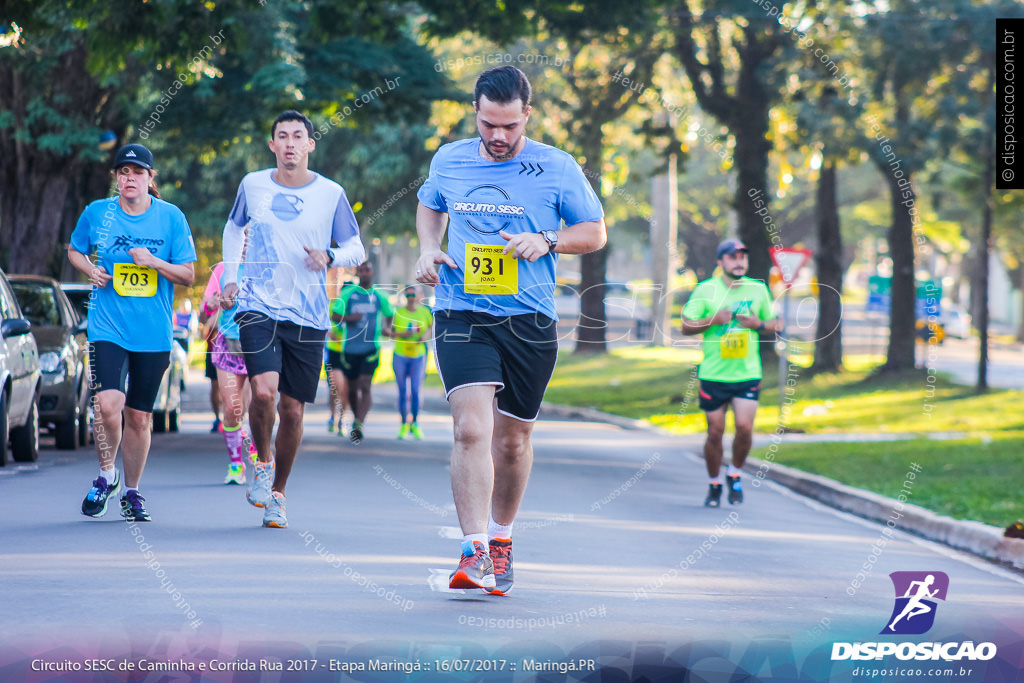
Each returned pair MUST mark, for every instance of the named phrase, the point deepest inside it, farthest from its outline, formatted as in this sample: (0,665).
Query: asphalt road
(617,562)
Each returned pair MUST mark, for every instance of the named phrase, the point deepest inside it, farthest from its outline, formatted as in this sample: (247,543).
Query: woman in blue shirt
(142,247)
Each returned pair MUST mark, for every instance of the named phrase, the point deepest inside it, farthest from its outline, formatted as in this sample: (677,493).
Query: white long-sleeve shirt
(281,221)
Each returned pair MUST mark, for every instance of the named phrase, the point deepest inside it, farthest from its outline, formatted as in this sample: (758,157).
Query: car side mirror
(15,327)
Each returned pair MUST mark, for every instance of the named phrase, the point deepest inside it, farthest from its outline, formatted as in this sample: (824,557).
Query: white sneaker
(259,490)
(273,514)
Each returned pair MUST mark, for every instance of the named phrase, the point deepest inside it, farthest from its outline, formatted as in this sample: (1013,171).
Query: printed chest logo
(124,243)
(488,209)
(287,207)
(916,596)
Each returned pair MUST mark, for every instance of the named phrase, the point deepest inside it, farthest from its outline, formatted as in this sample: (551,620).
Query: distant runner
(366,313)
(729,311)
(411,329)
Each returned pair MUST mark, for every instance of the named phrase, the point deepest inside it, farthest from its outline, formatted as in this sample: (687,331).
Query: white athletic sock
(109,475)
(734,471)
(472,538)
(129,488)
(717,480)
(495,530)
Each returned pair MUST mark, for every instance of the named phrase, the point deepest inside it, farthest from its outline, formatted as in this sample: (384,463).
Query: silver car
(20,381)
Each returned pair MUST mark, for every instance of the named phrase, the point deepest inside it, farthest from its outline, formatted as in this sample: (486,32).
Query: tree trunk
(592,325)
(44,189)
(828,348)
(902,317)
(751,159)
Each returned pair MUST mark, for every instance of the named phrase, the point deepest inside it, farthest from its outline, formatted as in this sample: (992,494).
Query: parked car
(955,321)
(60,336)
(78,294)
(20,380)
(167,406)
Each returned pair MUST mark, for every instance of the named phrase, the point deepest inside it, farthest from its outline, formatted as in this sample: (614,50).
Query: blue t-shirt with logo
(534,191)
(133,322)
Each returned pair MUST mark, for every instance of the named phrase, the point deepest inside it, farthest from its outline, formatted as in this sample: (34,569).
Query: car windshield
(38,303)
(80,300)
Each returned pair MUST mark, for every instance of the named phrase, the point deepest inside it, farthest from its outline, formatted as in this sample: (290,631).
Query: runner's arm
(430,228)
(179,273)
(97,274)
(701,325)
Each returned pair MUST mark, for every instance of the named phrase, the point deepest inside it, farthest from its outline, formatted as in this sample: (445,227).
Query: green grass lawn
(965,478)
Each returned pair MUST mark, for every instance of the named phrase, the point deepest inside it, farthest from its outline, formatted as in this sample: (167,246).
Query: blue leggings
(409,370)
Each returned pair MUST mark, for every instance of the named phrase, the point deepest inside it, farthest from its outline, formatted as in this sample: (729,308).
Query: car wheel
(25,439)
(159,421)
(66,432)
(4,421)
(172,421)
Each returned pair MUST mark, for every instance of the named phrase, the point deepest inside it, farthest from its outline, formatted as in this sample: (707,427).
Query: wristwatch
(551,237)
(330,257)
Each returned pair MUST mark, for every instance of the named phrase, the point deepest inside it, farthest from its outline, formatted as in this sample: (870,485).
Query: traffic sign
(789,262)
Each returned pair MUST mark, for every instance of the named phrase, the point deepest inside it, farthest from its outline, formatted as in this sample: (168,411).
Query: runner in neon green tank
(411,330)
(729,311)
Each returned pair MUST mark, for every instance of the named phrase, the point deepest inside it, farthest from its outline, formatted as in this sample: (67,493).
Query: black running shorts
(333,360)
(515,353)
(714,395)
(293,351)
(110,365)
(356,365)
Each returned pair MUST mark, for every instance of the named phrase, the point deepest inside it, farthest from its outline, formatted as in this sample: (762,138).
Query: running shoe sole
(460,579)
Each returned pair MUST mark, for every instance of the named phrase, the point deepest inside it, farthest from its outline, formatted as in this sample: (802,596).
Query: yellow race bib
(734,344)
(133,280)
(489,271)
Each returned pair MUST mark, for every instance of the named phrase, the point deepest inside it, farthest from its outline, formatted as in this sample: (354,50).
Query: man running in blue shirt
(281,229)
(502,198)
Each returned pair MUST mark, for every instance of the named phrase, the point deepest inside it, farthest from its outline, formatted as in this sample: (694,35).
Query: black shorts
(714,395)
(293,351)
(211,369)
(515,353)
(110,365)
(356,365)
(333,360)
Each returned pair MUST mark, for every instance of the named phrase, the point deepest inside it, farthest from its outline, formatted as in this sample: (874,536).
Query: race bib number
(133,280)
(734,344)
(489,271)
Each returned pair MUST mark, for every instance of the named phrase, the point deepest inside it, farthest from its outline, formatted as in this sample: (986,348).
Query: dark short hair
(503,84)
(291,115)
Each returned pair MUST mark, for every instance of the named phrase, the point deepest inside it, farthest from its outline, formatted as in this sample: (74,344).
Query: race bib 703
(133,280)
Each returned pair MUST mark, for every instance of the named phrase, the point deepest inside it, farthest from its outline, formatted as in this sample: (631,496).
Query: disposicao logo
(917,596)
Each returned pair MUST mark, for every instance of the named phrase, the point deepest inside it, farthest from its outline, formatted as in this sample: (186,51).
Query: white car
(20,381)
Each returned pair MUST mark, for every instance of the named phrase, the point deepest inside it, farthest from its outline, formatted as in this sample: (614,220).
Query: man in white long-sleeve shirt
(281,229)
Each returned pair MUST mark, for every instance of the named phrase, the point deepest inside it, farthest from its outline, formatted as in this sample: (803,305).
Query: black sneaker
(95,503)
(475,568)
(735,489)
(501,557)
(714,498)
(132,508)
(356,435)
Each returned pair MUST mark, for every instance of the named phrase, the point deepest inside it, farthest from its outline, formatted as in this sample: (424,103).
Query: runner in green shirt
(729,311)
(411,330)
(366,313)
(336,381)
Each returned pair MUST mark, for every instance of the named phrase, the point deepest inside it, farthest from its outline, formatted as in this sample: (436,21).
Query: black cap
(730,246)
(134,154)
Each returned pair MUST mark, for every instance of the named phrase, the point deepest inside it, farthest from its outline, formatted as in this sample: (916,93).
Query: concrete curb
(974,537)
